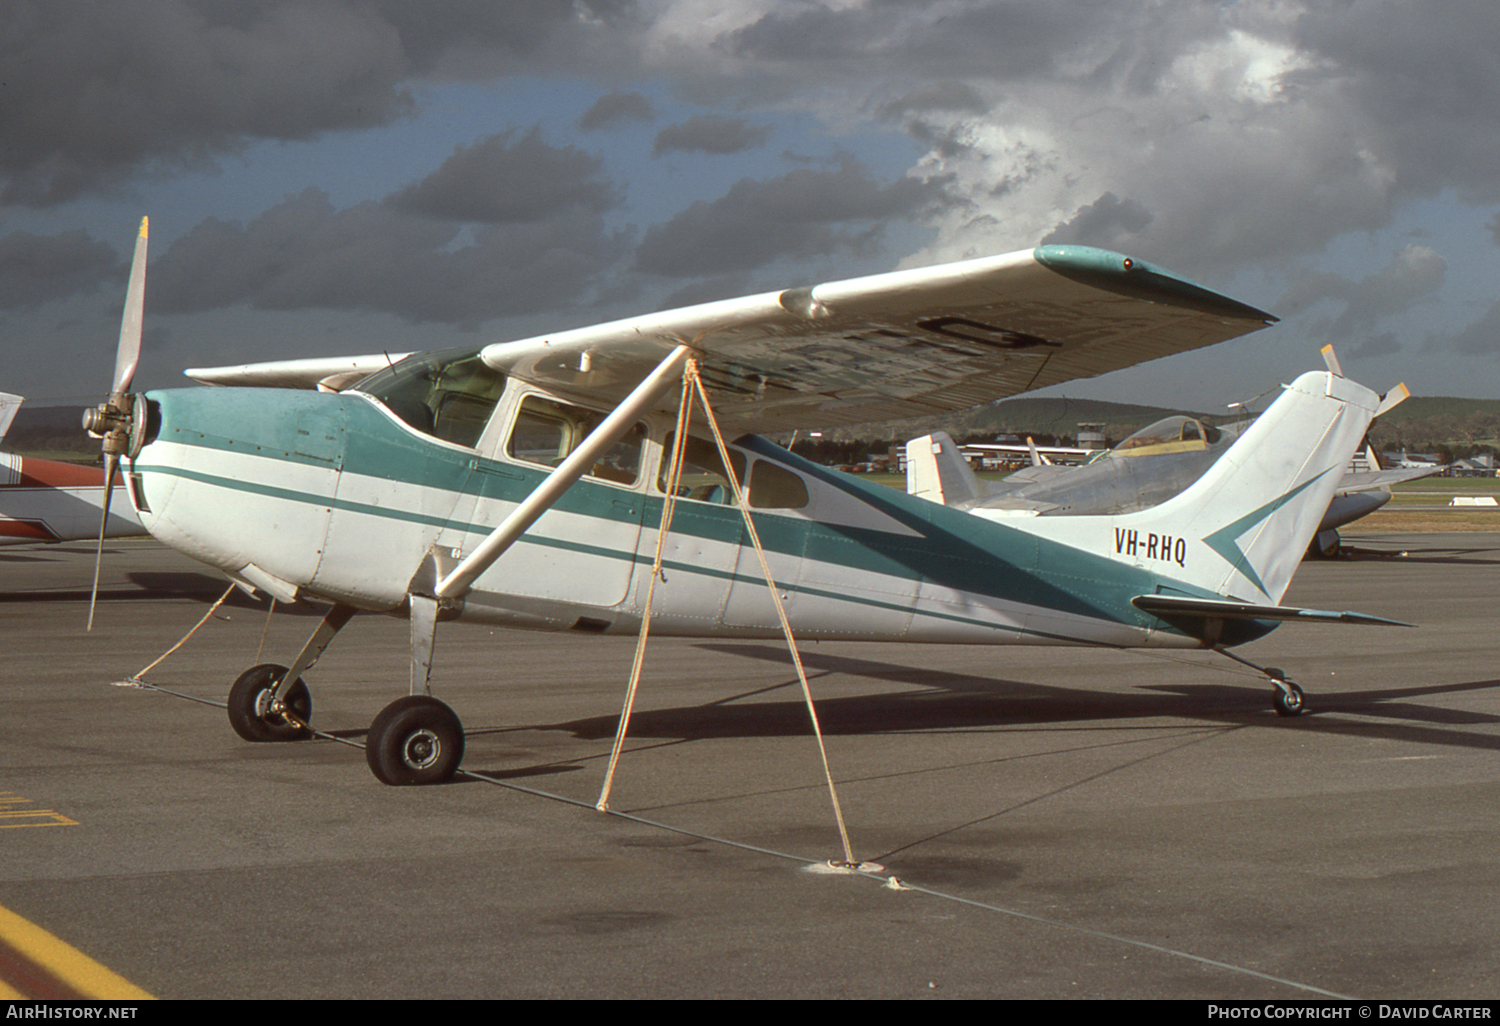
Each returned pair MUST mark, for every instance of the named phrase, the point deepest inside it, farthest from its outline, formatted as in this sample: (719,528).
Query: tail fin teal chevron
(1241,529)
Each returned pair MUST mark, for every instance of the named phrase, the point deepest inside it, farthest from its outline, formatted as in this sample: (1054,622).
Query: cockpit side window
(546,432)
(449,395)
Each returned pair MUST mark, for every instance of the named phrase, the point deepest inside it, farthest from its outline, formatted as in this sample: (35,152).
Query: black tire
(415,740)
(1290,705)
(249,697)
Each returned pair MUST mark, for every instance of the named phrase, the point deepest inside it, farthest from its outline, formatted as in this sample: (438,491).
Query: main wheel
(415,740)
(1290,704)
(250,712)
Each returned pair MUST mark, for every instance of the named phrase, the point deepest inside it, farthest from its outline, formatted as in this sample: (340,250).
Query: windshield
(449,395)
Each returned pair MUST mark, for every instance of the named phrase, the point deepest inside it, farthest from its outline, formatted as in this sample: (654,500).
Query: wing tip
(1116,272)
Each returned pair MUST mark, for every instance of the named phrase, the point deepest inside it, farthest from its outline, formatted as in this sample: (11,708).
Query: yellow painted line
(46,817)
(12,818)
(67,963)
(10,994)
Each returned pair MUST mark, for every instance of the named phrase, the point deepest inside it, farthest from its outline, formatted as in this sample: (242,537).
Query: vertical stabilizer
(937,471)
(1242,529)
(9,404)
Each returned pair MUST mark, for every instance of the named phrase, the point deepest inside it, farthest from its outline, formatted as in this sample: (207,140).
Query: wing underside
(903,344)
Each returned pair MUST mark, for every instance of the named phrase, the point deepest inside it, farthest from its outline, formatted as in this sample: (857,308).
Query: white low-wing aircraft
(525,483)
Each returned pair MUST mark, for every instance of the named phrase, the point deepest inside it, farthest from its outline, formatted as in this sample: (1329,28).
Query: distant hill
(1442,424)
(1421,407)
(1053,418)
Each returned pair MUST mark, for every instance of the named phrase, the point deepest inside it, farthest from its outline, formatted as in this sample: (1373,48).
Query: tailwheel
(415,740)
(256,717)
(1288,699)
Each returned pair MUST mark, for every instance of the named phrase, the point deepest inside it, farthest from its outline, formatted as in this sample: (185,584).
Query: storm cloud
(800,214)
(1234,142)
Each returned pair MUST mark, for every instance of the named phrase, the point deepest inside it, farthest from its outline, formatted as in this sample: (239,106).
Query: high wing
(901,344)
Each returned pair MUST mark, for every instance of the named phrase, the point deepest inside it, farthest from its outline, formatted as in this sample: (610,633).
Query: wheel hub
(422,749)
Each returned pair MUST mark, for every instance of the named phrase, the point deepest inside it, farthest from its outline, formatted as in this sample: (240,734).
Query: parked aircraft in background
(1417,461)
(561,483)
(1144,470)
(50,501)
(1030,452)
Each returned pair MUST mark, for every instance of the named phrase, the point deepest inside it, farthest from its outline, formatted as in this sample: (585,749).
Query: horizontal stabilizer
(1395,397)
(1167,606)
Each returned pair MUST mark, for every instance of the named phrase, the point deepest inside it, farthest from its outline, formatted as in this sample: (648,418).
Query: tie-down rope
(693,382)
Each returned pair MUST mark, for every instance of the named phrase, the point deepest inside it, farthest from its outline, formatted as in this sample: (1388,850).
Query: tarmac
(1033,822)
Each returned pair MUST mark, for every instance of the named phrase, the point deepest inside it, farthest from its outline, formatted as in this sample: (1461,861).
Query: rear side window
(775,487)
(703,475)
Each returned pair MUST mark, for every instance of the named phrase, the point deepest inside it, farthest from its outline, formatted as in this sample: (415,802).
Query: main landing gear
(414,740)
(1288,699)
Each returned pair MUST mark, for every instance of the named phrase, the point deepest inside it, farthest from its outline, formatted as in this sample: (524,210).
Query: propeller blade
(1332,360)
(111,462)
(128,354)
(111,421)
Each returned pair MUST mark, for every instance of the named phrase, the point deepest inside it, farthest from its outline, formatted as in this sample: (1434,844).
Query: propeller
(114,419)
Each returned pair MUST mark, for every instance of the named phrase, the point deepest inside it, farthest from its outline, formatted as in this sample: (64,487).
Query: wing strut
(461,578)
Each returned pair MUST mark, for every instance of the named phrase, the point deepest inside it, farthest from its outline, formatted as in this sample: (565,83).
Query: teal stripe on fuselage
(949,548)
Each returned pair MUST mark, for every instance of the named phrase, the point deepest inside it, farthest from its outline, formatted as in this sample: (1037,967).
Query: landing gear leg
(1288,699)
(417,739)
(270,702)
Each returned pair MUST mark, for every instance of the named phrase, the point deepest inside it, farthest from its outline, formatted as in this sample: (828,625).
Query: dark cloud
(36,269)
(989,40)
(615,109)
(1482,338)
(306,255)
(803,213)
(496,180)
(1109,222)
(1384,344)
(95,94)
(947,96)
(1423,91)
(709,133)
(1414,274)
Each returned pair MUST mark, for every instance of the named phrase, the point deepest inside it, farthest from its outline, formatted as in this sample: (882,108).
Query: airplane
(51,501)
(1145,469)
(1419,461)
(1037,455)
(554,483)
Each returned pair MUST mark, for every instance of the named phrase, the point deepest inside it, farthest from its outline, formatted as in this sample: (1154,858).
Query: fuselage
(336,497)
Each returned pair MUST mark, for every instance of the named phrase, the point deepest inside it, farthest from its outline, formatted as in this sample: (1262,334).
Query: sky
(329,177)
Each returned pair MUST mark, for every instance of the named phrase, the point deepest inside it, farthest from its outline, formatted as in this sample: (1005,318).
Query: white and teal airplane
(523,483)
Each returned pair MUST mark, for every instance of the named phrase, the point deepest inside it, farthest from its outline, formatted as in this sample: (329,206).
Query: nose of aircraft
(239,477)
